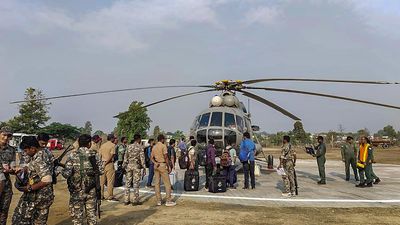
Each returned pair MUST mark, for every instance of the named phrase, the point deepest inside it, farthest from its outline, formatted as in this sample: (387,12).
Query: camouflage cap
(6,129)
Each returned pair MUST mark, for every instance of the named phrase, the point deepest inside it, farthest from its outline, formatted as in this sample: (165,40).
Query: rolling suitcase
(217,184)
(270,162)
(192,180)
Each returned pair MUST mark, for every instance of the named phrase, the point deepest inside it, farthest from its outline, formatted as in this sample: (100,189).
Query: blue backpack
(244,155)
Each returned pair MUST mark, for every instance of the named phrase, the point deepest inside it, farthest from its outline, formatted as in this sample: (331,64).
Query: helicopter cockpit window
(216,119)
(230,121)
(204,120)
(202,136)
(195,123)
(240,123)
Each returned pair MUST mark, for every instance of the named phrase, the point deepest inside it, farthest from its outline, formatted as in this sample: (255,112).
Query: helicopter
(227,118)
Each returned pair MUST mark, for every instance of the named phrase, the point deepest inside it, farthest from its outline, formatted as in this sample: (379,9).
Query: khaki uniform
(321,160)
(287,156)
(7,158)
(80,177)
(33,207)
(107,151)
(133,164)
(161,172)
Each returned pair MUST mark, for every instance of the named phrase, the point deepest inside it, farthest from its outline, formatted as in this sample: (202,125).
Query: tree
(299,134)
(99,132)
(331,137)
(387,131)
(363,132)
(87,129)
(133,121)
(62,131)
(156,131)
(178,135)
(33,114)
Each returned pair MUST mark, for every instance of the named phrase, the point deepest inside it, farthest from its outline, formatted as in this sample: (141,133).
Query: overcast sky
(64,47)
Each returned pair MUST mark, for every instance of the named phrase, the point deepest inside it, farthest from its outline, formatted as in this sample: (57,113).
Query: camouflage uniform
(81,184)
(133,163)
(287,156)
(7,157)
(33,207)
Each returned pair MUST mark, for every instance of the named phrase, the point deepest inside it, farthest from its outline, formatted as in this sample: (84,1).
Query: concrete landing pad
(336,193)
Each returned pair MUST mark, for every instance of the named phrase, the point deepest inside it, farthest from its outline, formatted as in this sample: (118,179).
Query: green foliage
(299,134)
(363,132)
(276,139)
(33,114)
(87,129)
(62,131)
(99,132)
(388,131)
(178,135)
(156,132)
(133,121)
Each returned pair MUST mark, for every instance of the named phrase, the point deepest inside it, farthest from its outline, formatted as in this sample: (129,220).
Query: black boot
(377,181)
(360,185)
(369,184)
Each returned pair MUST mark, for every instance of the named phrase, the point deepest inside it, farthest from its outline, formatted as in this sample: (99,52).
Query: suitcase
(119,176)
(192,180)
(173,177)
(217,184)
(202,157)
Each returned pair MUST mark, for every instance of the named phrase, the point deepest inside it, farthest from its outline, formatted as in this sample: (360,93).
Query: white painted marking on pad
(386,201)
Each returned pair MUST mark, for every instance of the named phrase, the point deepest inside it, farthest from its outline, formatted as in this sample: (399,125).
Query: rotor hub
(229,85)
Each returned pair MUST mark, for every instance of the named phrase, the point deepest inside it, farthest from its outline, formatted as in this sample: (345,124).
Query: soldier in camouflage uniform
(7,160)
(288,162)
(133,164)
(80,176)
(34,204)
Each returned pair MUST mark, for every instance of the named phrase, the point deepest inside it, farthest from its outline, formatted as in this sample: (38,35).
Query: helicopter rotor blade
(324,95)
(270,104)
(172,98)
(317,80)
(114,91)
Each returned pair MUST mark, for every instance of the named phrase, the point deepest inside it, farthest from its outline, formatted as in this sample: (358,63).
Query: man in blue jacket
(246,156)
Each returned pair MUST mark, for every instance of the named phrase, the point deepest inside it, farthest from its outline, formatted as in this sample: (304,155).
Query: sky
(64,47)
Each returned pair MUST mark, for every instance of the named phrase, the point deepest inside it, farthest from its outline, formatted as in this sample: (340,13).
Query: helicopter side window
(240,123)
(216,119)
(230,121)
(204,120)
(195,123)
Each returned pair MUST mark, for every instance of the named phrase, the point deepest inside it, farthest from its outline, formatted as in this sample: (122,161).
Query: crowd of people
(92,166)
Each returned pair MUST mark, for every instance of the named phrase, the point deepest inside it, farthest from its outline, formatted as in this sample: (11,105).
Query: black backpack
(184,160)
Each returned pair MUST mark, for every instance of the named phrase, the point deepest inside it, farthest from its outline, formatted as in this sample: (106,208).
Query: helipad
(337,192)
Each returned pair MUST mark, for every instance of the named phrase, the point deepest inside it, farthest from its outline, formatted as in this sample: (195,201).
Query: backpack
(184,159)
(244,155)
(225,159)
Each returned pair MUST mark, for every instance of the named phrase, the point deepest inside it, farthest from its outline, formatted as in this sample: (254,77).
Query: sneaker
(321,182)
(113,199)
(287,195)
(170,203)
(159,203)
(377,181)
(369,184)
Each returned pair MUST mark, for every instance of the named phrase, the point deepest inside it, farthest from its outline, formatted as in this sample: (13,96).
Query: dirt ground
(191,212)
